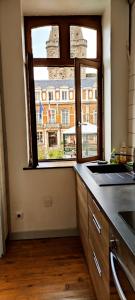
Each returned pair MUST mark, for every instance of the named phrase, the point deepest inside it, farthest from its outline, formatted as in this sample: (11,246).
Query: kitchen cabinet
(107,240)
(94,233)
(82,213)
(98,259)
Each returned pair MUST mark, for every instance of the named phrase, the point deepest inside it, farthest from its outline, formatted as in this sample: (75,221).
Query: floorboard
(46,269)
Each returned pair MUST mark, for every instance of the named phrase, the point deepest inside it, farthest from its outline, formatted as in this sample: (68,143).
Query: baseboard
(43,234)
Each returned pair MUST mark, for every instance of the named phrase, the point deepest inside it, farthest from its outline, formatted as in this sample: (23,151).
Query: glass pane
(89,111)
(83,42)
(45,42)
(55,112)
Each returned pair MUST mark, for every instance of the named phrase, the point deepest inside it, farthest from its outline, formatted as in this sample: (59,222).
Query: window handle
(79,124)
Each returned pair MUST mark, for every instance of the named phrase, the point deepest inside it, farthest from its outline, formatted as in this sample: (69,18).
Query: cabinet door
(98,250)
(82,213)
(98,274)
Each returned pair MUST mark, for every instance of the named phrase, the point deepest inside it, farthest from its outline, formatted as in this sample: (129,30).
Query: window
(39,118)
(90,94)
(64,71)
(80,34)
(37,96)
(51,116)
(65,117)
(40,139)
(85,117)
(50,95)
(64,95)
(45,48)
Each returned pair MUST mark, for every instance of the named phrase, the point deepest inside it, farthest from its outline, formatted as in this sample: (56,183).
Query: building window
(85,117)
(50,96)
(39,118)
(90,94)
(64,95)
(65,117)
(66,65)
(40,138)
(37,96)
(51,116)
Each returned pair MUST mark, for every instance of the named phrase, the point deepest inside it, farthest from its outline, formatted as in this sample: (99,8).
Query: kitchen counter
(112,199)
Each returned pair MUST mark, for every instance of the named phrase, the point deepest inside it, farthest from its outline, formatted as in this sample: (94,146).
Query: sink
(111,174)
(129,218)
(109,168)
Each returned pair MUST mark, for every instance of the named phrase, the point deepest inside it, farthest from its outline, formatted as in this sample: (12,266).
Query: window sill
(53,165)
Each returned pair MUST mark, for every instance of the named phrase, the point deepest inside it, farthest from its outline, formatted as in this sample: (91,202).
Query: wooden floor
(49,269)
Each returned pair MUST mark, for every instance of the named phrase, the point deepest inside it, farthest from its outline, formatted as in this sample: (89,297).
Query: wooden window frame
(98,66)
(64,23)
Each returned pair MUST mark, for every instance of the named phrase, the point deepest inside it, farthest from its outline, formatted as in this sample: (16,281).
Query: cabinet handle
(97,264)
(115,277)
(96,223)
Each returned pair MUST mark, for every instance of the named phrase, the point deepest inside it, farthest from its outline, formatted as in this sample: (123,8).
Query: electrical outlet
(19,215)
(48,201)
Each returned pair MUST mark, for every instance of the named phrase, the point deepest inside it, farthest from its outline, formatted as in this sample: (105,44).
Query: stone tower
(78,49)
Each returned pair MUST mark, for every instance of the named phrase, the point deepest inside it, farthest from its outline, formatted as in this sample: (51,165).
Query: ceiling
(63,7)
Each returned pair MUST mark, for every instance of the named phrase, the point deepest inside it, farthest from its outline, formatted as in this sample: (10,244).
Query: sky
(41,35)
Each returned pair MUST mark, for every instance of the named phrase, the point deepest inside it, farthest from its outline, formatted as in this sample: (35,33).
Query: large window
(51,116)
(64,74)
(65,117)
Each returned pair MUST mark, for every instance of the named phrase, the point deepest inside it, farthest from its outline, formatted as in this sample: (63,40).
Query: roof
(87,128)
(70,83)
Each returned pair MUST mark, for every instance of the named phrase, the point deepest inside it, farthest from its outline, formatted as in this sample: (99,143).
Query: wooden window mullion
(32,116)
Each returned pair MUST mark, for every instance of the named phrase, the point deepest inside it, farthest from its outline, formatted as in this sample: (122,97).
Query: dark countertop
(112,199)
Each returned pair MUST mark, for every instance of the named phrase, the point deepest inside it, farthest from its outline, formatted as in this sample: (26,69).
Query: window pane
(83,42)
(55,112)
(89,111)
(45,42)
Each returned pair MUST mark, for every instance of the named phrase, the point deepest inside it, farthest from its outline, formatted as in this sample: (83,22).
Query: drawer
(98,221)
(98,235)
(99,274)
(96,210)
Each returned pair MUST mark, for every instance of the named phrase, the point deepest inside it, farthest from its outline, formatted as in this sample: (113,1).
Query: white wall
(131,108)
(3,173)
(115,62)
(28,189)
(3,198)
(119,71)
